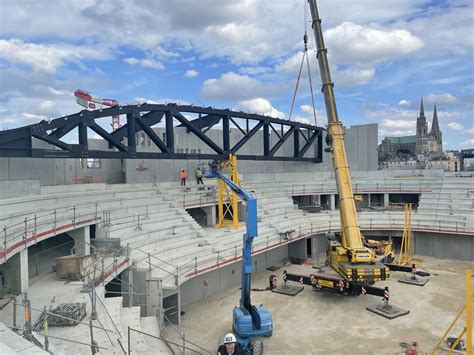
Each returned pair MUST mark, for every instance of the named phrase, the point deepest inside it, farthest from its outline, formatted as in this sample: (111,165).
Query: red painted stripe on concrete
(45,234)
(106,275)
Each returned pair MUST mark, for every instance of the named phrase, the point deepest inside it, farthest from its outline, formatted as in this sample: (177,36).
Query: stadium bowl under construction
(289,237)
(147,251)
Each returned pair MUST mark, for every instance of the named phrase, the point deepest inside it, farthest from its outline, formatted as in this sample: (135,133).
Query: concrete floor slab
(319,323)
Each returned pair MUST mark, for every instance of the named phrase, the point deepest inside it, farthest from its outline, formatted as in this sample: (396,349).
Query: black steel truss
(140,118)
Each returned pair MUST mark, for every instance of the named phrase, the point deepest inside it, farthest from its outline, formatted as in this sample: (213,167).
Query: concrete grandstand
(153,247)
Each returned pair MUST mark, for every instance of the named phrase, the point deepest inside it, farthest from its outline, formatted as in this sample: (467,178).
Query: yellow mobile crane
(354,261)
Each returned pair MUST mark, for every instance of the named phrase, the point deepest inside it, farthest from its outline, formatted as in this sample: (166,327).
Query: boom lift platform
(249,321)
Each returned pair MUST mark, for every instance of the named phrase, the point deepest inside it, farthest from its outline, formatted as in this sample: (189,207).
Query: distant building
(445,164)
(467,159)
(424,144)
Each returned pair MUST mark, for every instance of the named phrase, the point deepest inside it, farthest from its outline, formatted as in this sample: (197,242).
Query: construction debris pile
(68,313)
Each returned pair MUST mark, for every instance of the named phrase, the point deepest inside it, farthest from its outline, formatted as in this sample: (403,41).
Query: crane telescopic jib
(351,258)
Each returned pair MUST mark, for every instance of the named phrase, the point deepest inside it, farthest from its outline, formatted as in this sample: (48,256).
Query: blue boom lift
(249,321)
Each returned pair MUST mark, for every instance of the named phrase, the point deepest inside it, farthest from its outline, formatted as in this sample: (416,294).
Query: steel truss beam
(18,142)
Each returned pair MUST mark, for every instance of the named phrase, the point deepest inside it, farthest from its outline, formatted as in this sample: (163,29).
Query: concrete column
(369,202)
(385,200)
(82,240)
(16,273)
(211,215)
(154,297)
(332,202)
(24,275)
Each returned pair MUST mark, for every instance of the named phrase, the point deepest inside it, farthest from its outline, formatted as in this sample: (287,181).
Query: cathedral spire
(435,125)
(422,109)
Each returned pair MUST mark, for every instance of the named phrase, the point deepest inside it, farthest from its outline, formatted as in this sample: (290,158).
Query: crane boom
(349,222)
(88,101)
(351,250)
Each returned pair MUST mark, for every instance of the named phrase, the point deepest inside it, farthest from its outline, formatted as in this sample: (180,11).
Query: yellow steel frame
(467,330)
(406,250)
(228,201)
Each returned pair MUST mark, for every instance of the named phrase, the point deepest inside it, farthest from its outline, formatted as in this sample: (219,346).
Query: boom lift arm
(249,321)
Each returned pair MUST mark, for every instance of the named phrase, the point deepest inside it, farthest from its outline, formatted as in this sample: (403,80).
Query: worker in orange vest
(183,177)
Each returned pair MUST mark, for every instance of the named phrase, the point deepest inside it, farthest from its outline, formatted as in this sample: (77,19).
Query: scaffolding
(406,249)
(228,201)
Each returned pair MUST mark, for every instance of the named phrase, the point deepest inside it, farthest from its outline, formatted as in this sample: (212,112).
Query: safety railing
(27,330)
(225,256)
(168,338)
(50,222)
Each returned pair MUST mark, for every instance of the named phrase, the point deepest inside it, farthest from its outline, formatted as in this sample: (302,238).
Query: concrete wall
(209,283)
(46,172)
(446,246)
(361,142)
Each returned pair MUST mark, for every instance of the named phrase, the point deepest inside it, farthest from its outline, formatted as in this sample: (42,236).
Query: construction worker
(183,177)
(230,346)
(199,175)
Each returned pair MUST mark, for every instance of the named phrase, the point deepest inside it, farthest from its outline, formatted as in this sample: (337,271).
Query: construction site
(184,229)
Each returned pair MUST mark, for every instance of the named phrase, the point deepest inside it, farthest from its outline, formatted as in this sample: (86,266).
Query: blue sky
(245,55)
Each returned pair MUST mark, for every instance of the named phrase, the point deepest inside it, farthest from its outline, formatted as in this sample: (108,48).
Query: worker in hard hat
(230,346)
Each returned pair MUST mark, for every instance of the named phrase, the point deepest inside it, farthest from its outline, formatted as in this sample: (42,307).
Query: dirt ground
(316,323)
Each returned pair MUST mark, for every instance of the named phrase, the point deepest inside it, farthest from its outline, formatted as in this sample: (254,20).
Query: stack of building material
(72,311)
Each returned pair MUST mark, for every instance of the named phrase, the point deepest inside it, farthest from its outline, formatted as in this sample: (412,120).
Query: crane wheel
(257,347)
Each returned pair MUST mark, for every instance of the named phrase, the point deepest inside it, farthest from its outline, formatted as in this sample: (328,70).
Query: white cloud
(232,86)
(469,143)
(254,70)
(191,73)
(353,76)
(405,124)
(144,100)
(404,103)
(350,43)
(146,63)
(260,106)
(47,58)
(45,107)
(446,99)
(455,126)
(444,115)
(21,119)
(470,131)
(306,116)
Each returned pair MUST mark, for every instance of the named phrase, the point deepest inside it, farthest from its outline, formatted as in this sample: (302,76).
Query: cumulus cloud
(350,43)
(353,76)
(254,70)
(45,107)
(260,106)
(21,119)
(455,126)
(445,99)
(232,86)
(350,76)
(469,143)
(46,58)
(144,62)
(191,73)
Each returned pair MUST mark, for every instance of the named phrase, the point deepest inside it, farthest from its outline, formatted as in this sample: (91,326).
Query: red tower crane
(90,102)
